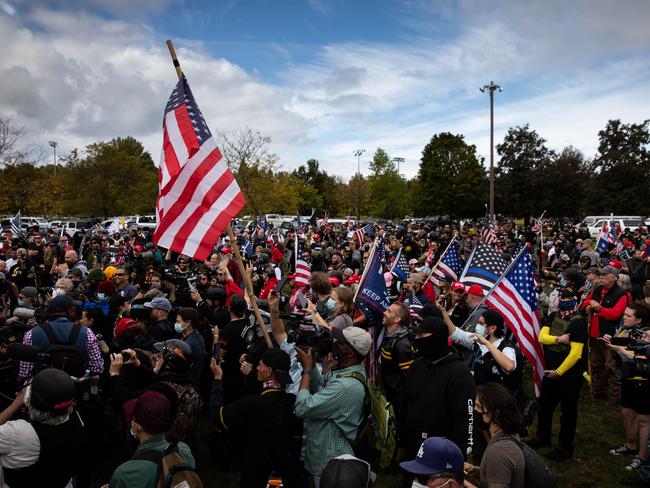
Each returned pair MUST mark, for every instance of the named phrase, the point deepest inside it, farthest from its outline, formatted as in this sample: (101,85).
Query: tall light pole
(53,145)
(491,88)
(398,160)
(357,153)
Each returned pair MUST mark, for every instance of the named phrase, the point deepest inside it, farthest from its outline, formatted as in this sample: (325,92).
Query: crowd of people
(126,365)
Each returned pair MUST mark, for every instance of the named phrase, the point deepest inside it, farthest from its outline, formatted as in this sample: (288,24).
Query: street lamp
(491,88)
(53,145)
(398,160)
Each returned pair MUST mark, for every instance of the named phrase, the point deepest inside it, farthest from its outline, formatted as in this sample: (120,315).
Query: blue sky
(324,77)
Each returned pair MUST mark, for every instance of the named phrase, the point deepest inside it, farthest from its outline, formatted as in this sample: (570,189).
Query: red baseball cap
(475,290)
(122,325)
(457,286)
(616,263)
(334,281)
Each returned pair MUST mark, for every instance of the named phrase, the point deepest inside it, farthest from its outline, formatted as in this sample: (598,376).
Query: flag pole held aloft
(233,240)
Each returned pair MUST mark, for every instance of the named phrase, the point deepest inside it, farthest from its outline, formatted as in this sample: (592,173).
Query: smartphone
(191,281)
(280,285)
(216,352)
(302,300)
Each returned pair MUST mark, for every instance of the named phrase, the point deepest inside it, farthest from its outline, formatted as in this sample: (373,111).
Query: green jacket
(141,473)
(333,411)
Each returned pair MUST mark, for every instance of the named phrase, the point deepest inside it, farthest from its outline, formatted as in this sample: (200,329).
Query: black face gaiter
(432,348)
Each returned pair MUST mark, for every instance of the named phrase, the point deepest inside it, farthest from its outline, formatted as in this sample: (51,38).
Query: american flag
(400,267)
(484,267)
(302,274)
(614,232)
(603,239)
(415,305)
(198,194)
(323,222)
(537,227)
(15,225)
(367,229)
(515,299)
(450,266)
(488,236)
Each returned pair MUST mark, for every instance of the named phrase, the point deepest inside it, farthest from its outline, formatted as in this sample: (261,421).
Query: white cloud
(78,78)
(7,8)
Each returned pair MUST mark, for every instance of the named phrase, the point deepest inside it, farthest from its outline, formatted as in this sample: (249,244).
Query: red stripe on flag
(185,197)
(218,225)
(171,161)
(186,130)
(207,201)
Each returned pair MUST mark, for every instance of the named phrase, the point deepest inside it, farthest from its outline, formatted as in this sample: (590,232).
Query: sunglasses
(120,274)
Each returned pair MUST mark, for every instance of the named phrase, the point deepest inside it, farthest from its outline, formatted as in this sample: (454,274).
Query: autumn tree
(386,188)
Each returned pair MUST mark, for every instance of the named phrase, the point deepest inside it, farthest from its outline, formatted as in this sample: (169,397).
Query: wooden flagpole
(233,240)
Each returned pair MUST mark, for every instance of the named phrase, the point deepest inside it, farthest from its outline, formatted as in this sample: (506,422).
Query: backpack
(172,469)
(65,355)
(538,474)
(376,438)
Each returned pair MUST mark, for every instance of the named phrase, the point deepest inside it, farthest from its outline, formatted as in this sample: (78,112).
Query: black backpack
(538,474)
(65,355)
(172,469)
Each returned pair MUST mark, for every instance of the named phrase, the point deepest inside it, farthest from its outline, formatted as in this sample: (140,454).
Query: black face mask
(479,423)
(431,347)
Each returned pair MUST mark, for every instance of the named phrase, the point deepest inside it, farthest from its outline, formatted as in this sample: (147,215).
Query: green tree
(356,195)
(523,156)
(328,188)
(451,179)
(621,170)
(567,175)
(113,178)
(386,188)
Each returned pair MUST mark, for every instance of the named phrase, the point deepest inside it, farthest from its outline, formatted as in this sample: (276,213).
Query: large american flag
(198,194)
(484,267)
(450,266)
(515,298)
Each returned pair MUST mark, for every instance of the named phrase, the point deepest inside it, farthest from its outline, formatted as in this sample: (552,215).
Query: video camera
(638,366)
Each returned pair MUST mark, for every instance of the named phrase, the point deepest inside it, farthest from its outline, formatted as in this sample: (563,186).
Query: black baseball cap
(280,362)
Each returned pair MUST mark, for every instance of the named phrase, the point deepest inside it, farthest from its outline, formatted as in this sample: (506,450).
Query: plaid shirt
(333,411)
(95,362)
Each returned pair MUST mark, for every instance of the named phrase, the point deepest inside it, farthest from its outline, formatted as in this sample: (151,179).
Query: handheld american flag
(515,298)
(450,266)
(603,239)
(400,267)
(198,194)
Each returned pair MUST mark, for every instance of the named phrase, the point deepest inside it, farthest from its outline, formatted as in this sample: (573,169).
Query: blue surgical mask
(101,296)
(480,329)
(21,303)
(178,328)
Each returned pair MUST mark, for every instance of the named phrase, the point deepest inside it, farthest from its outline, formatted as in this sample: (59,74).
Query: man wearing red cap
(476,306)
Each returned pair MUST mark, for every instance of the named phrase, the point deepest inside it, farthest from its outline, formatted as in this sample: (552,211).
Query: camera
(637,366)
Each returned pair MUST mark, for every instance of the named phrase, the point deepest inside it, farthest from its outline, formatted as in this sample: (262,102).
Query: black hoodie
(438,402)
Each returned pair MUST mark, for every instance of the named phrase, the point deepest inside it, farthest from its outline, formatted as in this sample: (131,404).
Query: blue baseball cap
(436,455)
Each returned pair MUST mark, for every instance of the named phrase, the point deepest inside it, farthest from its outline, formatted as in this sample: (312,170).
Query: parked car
(144,222)
(624,222)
